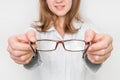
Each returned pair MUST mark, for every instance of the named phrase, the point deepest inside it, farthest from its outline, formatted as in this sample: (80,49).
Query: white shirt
(61,64)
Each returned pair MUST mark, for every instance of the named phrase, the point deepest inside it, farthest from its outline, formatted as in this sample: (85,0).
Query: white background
(16,16)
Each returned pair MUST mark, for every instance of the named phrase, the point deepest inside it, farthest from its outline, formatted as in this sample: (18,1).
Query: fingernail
(88,38)
(32,39)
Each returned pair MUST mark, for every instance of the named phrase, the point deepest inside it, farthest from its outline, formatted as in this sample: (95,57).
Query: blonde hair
(46,16)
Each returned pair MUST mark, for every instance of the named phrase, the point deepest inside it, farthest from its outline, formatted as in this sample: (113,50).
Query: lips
(59,7)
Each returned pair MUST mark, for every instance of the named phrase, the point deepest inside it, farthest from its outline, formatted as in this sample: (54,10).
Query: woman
(60,23)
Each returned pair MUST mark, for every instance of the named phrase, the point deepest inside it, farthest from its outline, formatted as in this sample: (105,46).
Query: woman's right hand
(19,48)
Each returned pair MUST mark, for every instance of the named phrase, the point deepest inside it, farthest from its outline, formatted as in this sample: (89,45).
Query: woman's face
(59,7)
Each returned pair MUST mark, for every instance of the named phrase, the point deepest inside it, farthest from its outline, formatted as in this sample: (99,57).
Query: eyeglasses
(72,45)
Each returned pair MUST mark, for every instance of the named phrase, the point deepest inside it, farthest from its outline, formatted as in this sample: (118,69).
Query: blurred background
(17,15)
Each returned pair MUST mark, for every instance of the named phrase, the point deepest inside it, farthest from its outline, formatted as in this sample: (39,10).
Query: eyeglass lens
(72,45)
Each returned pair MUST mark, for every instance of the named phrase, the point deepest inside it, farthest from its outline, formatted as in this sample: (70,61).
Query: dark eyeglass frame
(87,44)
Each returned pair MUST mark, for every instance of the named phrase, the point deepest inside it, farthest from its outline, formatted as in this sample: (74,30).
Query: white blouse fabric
(61,64)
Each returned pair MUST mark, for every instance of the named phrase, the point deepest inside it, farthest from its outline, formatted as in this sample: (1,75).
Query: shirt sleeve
(90,66)
(36,61)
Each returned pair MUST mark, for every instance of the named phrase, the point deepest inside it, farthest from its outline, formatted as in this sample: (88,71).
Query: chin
(60,15)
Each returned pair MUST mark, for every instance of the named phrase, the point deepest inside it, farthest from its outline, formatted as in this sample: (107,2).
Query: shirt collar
(77,25)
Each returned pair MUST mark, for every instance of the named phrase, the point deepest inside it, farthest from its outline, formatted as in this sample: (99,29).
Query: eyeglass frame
(60,42)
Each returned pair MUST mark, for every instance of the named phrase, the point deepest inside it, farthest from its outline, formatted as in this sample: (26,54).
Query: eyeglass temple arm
(34,51)
(84,53)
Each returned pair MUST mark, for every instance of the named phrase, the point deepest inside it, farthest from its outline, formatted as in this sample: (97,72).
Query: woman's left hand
(100,48)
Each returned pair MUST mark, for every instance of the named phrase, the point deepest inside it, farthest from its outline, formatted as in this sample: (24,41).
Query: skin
(98,52)
(59,7)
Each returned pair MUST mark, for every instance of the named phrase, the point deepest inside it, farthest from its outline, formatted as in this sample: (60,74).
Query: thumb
(89,35)
(31,35)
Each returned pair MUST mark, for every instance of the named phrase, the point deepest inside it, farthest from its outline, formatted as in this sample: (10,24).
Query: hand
(19,48)
(100,48)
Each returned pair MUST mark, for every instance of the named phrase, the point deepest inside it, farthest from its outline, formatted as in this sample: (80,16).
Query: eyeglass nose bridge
(60,42)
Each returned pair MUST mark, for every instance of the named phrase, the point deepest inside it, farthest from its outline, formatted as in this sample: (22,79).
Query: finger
(98,46)
(95,59)
(22,59)
(98,59)
(101,52)
(104,37)
(20,46)
(26,57)
(16,59)
(31,35)
(22,38)
(89,35)
(17,43)
(15,52)
(100,42)
(18,53)
(28,60)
